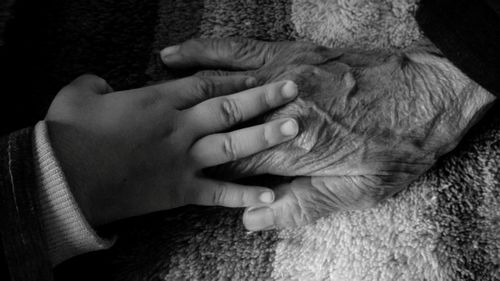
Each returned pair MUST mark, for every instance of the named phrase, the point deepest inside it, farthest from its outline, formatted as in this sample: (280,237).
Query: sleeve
(468,34)
(24,249)
(66,230)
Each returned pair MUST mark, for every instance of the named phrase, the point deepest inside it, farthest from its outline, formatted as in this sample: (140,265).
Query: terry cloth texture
(445,226)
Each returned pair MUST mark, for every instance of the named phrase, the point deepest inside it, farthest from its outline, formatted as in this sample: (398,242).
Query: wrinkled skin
(370,124)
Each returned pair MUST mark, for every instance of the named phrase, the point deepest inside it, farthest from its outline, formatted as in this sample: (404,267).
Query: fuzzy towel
(445,226)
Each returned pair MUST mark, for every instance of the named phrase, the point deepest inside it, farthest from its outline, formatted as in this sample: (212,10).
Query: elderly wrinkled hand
(370,122)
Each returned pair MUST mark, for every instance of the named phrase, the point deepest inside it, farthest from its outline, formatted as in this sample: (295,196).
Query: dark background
(50,43)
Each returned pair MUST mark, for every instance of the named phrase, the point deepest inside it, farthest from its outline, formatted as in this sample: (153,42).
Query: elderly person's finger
(217,114)
(218,193)
(284,212)
(218,72)
(232,53)
(306,199)
(288,210)
(217,149)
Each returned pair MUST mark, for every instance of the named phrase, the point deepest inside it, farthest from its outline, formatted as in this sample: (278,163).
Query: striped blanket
(445,226)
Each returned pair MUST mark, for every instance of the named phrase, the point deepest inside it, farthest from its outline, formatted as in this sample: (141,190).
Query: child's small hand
(133,152)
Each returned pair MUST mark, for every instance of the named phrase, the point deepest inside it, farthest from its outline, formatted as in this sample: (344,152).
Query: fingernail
(266,197)
(251,82)
(289,128)
(289,90)
(169,51)
(260,218)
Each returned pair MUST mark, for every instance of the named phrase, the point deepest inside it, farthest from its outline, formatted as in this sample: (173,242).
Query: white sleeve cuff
(66,230)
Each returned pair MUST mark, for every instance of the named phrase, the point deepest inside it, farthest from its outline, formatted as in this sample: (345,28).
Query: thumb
(89,84)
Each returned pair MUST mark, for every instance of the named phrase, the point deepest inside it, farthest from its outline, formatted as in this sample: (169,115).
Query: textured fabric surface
(65,228)
(24,251)
(444,227)
(380,24)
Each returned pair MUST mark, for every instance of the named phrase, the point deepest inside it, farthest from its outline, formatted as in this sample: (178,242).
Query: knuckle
(220,194)
(270,50)
(205,86)
(200,84)
(150,98)
(230,112)
(229,148)
(267,99)
(243,48)
(243,198)
(267,139)
(240,46)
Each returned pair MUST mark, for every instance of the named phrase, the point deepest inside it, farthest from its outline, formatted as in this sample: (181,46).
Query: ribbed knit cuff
(67,232)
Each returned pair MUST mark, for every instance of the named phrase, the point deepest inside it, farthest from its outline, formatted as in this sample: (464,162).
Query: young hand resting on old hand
(133,152)
(371,121)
